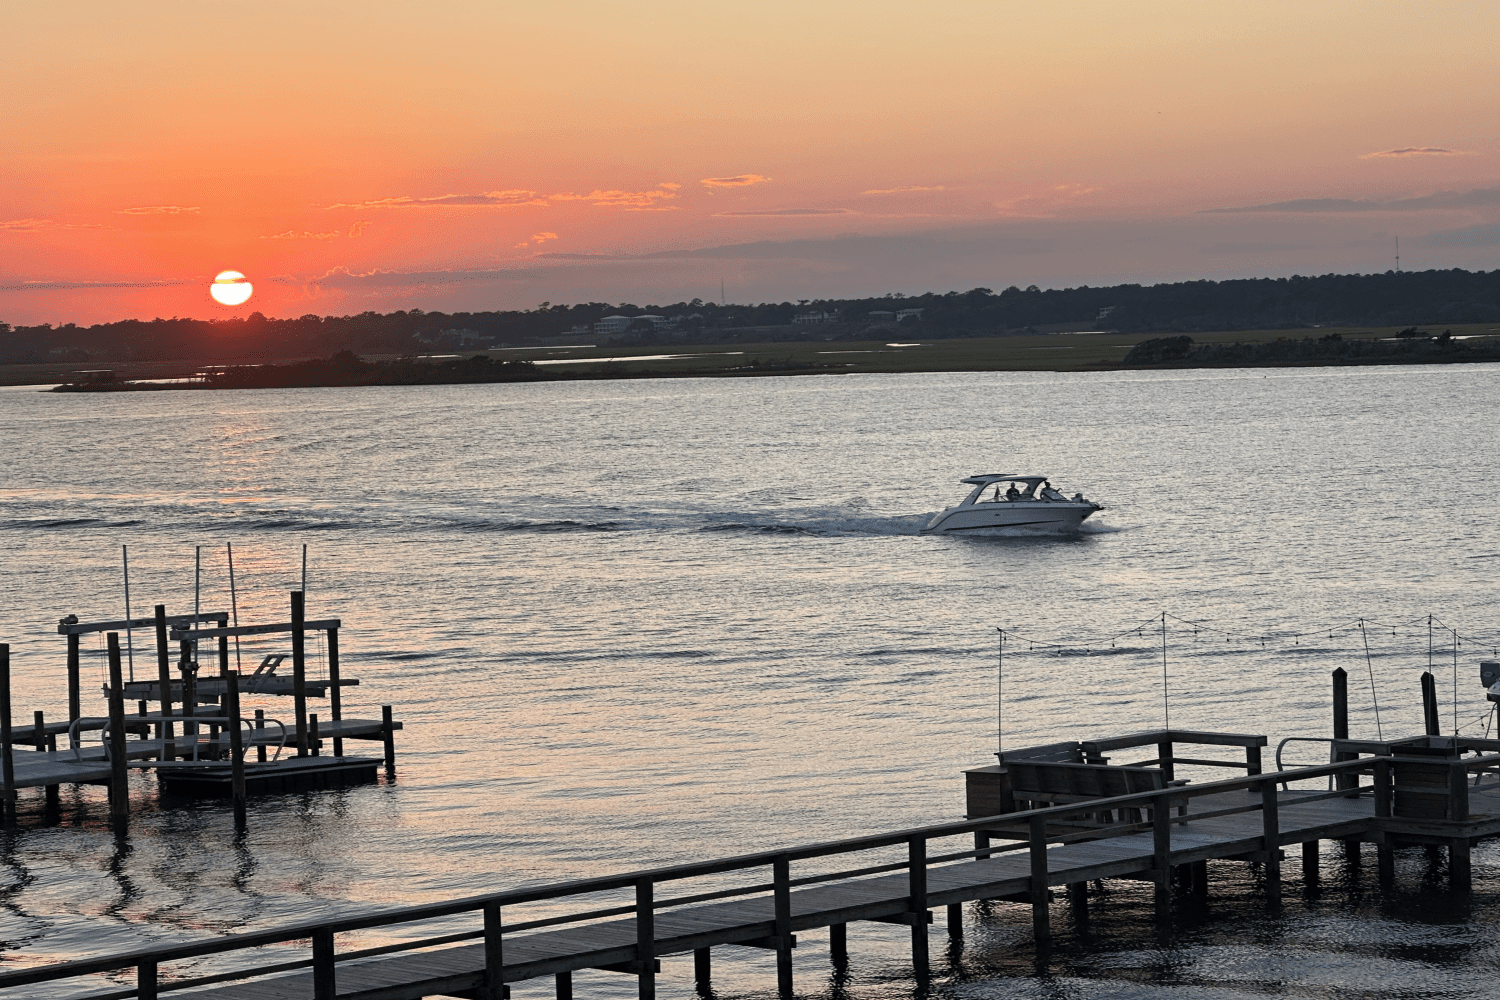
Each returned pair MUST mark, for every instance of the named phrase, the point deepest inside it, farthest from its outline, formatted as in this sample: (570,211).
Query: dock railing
(772,871)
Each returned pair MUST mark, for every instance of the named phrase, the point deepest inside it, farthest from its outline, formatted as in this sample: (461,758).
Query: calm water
(643,622)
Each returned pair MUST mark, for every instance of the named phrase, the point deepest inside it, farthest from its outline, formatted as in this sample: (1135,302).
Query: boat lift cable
(234,607)
(1369,666)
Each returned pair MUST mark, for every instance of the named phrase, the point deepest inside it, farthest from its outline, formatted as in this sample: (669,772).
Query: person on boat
(1012,493)
(1049,493)
(1078,498)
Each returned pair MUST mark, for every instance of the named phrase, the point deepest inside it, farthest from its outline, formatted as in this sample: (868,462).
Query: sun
(230,288)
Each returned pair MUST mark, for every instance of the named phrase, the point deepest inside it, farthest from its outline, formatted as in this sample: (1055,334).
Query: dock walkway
(1016,856)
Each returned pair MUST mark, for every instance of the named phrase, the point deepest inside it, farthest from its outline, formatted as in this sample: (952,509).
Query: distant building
(881,316)
(581,330)
(1104,313)
(611,325)
(902,315)
(814,318)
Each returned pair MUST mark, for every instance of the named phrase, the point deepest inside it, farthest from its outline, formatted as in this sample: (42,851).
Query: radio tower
(1398,255)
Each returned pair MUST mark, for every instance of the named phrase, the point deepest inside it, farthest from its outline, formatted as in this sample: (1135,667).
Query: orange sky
(476,156)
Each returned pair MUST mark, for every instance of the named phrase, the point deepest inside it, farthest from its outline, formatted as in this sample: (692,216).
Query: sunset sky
(464,156)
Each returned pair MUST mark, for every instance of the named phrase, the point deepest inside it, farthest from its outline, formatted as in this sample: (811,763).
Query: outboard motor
(1489,676)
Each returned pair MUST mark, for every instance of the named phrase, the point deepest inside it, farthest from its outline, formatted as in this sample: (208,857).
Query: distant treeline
(1390,299)
(1408,349)
(343,368)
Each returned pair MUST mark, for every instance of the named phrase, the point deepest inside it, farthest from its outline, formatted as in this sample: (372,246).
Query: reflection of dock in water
(204,745)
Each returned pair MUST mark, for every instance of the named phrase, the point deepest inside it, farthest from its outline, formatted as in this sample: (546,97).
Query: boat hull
(1038,515)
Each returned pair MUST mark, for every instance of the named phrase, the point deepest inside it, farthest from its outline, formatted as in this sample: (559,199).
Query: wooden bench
(1032,784)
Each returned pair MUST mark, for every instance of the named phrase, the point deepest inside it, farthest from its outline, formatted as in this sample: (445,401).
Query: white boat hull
(1028,515)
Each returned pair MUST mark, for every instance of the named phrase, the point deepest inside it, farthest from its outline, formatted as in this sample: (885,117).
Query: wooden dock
(1171,829)
(206,725)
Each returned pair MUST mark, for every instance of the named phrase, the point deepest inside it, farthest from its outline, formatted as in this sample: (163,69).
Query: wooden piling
(956,921)
(388,733)
(164,679)
(260,725)
(1041,917)
(1340,704)
(335,693)
(781,883)
(223,648)
(8,766)
(564,986)
(312,734)
(1310,863)
(645,939)
(916,907)
(703,969)
(838,945)
(119,786)
(325,982)
(1430,704)
(299,670)
(1161,847)
(146,987)
(236,748)
(75,694)
(1270,820)
(41,743)
(494,954)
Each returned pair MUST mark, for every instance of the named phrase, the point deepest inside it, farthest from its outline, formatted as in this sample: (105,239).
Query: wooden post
(189,706)
(119,788)
(164,679)
(8,765)
(494,956)
(1164,752)
(299,671)
(955,921)
(1310,867)
(236,748)
(335,693)
(41,742)
(564,986)
(1385,858)
(1458,792)
(312,734)
(145,979)
(75,700)
(1252,761)
(916,905)
(703,969)
(1161,852)
(645,939)
(388,731)
(781,878)
(1200,881)
(260,726)
(1041,918)
(1340,704)
(1270,822)
(1459,869)
(223,648)
(1078,899)
(325,979)
(838,945)
(1430,705)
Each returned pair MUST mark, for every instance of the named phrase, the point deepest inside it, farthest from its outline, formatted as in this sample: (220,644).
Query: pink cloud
(158,210)
(1405,151)
(500,199)
(910,189)
(738,180)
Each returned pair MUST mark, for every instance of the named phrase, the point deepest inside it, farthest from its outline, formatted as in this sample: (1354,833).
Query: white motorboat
(1029,503)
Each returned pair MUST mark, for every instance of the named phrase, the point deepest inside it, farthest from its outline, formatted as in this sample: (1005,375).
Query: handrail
(1161,798)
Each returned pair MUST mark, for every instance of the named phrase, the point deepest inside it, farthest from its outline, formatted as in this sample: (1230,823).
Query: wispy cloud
(909,189)
(538,239)
(737,181)
(159,210)
(358,229)
(1478,198)
(37,225)
(640,201)
(52,286)
(292,234)
(784,212)
(1046,203)
(492,199)
(1405,151)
